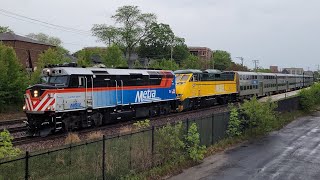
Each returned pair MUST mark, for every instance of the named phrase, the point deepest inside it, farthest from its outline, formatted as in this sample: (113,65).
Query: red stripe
(39,109)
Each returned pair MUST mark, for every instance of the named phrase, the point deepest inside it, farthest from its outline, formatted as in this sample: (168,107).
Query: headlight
(35,93)
(24,107)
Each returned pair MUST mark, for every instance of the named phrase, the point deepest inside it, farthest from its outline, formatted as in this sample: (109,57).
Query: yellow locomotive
(196,88)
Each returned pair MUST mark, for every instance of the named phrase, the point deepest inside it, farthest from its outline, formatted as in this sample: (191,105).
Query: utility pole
(241,59)
(256,62)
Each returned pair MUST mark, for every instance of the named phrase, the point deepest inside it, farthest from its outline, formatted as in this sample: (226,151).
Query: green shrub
(195,150)
(142,124)
(310,98)
(170,143)
(234,126)
(260,116)
(6,148)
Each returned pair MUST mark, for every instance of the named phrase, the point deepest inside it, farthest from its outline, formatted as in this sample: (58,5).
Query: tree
(160,42)
(111,56)
(180,53)
(50,56)
(114,57)
(222,60)
(5,29)
(133,27)
(41,37)
(12,78)
(192,62)
(165,64)
(237,67)
(85,55)
(107,34)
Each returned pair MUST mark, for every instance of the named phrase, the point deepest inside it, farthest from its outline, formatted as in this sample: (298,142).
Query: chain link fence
(107,157)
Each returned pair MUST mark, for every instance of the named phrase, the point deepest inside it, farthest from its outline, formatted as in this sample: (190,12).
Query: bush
(170,143)
(195,150)
(259,116)
(234,126)
(142,124)
(6,148)
(310,98)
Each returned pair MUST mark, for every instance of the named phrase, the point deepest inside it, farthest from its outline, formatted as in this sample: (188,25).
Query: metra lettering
(75,105)
(145,95)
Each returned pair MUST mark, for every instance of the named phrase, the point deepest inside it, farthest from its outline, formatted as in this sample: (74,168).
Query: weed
(72,138)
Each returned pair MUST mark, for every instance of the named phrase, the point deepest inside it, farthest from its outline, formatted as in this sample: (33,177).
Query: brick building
(274,69)
(293,71)
(202,52)
(27,49)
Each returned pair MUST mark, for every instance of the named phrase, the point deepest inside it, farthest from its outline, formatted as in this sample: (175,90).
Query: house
(203,53)
(27,50)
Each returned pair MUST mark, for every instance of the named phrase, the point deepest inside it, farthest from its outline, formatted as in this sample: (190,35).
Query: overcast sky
(276,32)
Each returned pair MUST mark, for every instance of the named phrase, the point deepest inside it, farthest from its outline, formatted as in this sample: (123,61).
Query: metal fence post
(152,141)
(27,166)
(152,146)
(212,126)
(103,156)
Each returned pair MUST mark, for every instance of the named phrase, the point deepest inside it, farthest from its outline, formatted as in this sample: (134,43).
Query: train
(70,98)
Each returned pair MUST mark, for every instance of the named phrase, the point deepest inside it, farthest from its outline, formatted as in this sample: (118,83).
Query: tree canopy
(159,43)
(111,56)
(222,60)
(13,80)
(192,62)
(44,38)
(133,26)
(4,29)
(50,56)
(165,64)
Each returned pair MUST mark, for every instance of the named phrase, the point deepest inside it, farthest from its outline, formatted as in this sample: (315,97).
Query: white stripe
(40,104)
(48,103)
(27,104)
(30,103)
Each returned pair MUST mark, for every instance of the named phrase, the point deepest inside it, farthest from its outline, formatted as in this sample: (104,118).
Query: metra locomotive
(72,97)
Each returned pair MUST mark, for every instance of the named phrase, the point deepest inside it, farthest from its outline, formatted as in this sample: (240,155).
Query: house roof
(13,37)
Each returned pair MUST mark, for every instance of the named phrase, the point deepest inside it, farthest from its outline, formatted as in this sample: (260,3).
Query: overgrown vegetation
(259,117)
(195,150)
(234,125)
(310,98)
(6,148)
(142,124)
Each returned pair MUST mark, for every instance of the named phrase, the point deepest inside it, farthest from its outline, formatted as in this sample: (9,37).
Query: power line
(43,23)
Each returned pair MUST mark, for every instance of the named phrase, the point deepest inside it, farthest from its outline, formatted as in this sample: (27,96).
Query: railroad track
(13,126)
(12,122)
(112,127)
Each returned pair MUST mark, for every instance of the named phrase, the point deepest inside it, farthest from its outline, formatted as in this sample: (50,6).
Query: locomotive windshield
(55,80)
(183,77)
